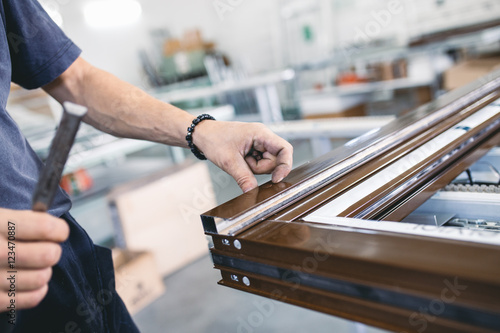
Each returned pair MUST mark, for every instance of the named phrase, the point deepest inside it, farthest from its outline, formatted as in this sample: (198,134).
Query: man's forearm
(119,108)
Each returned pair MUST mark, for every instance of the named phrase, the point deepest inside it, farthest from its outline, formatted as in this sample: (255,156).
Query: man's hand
(244,149)
(35,250)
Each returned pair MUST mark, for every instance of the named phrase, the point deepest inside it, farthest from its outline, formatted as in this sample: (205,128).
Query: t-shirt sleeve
(39,49)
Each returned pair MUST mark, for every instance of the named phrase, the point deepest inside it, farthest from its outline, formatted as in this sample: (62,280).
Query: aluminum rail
(354,154)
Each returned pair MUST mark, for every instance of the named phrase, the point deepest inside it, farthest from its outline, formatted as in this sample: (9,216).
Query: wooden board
(161,214)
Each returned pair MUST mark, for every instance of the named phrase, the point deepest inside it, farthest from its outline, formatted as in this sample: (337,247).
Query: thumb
(240,171)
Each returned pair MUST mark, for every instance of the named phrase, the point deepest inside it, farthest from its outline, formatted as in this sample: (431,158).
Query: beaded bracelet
(190,131)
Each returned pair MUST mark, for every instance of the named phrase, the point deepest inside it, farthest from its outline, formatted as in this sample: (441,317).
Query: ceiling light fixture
(111,13)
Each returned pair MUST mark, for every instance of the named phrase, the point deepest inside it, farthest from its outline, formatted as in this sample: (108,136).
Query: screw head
(246,281)
(225,242)
(237,244)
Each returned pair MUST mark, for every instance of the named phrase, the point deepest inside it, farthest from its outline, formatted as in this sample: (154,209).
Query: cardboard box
(171,47)
(192,40)
(468,71)
(389,70)
(35,100)
(355,111)
(423,95)
(138,281)
(161,214)
(386,71)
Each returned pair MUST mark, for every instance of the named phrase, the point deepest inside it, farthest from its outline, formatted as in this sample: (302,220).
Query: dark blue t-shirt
(33,52)
(82,295)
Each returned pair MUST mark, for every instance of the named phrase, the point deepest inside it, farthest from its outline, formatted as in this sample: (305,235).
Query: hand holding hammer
(30,238)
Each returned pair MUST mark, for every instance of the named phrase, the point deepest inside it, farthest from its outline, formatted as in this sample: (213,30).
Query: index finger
(33,226)
(283,151)
(283,165)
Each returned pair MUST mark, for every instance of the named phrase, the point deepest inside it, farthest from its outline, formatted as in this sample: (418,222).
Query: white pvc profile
(398,168)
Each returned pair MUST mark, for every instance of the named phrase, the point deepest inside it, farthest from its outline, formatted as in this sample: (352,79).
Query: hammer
(48,181)
(50,176)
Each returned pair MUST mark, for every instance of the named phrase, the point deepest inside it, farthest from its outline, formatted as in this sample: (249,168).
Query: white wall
(362,22)
(249,31)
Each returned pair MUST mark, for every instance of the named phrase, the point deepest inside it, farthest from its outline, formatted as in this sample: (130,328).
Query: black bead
(189,136)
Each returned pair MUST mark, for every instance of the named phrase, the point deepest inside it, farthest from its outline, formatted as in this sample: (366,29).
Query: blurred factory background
(317,72)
